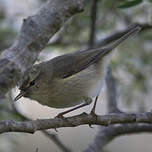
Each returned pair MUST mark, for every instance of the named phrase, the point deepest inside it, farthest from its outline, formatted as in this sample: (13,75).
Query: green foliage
(129,3)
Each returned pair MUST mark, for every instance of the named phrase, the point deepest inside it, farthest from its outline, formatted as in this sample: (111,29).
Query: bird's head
(28,82)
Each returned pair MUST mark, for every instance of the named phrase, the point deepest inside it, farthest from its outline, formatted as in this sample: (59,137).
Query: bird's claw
(90,126)
(55,129)
(60,115)
(93,114)
(84,113)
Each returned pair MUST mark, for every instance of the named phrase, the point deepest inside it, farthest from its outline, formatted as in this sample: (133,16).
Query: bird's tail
(135,28)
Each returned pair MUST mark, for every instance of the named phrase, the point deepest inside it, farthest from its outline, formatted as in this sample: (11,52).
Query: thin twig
(37,149)
(111,93)
(93,23)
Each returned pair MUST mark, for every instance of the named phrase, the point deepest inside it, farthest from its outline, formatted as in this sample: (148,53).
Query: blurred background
(131,66)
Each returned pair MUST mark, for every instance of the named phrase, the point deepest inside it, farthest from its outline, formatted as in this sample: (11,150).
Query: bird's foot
(93,114)
(55,129)
(91,126)
(60,115)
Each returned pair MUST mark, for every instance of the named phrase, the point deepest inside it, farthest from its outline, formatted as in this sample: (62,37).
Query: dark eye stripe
(24,84)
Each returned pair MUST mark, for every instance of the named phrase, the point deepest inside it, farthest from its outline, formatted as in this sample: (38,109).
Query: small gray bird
(71,79)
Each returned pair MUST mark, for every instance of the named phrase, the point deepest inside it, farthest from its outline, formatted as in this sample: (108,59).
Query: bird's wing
(69,64)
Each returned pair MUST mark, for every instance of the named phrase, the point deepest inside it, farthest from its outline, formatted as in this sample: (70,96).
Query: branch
(111,93)
(82,119)
(33,37)
(93,23)
(107,134)
(56,140)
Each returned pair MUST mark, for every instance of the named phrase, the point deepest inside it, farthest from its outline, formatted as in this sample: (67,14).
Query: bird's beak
(19,95)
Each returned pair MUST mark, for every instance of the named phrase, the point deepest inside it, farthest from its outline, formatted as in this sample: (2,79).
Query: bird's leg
(93,110)
(60,115)
(87,102)
(94,107)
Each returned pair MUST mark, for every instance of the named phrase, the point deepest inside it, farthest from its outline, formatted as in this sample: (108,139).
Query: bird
(72,79)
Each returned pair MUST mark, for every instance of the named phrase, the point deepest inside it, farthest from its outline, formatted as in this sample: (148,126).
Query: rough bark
(34,35)
(82,119)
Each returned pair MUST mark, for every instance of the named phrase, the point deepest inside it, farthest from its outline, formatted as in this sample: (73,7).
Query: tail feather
(133,30)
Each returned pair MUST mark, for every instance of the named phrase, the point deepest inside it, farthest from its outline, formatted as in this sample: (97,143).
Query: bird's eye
(32,83)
